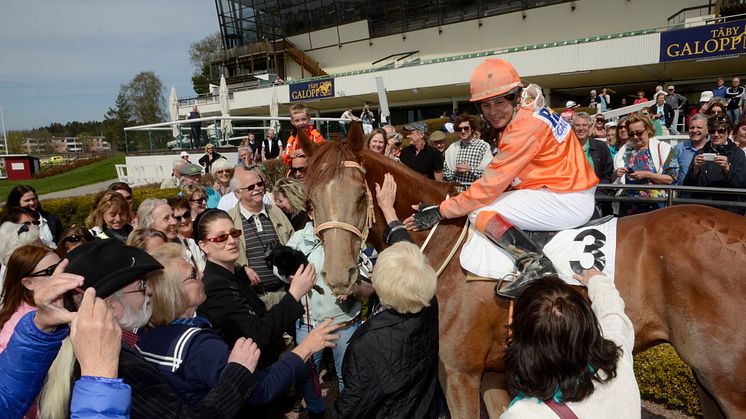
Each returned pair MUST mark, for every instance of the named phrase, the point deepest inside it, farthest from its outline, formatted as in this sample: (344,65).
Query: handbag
(561,409)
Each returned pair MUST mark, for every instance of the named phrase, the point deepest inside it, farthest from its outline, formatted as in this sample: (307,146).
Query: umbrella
(173,110)
(225,109)
(274,112)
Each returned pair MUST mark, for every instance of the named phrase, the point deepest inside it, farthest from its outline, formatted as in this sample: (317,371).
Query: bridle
(370,217)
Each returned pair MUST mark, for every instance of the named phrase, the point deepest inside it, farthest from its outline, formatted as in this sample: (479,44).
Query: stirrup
(514,277)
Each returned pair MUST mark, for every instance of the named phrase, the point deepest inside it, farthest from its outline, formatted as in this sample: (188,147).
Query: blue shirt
(685,152)
(719,91)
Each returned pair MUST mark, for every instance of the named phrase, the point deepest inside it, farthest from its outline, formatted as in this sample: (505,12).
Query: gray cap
(190,169)
(419,125)
(437,136)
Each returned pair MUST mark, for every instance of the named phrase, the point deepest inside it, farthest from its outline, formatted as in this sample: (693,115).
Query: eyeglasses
(720,131)
(465,129)
(34,222)
(297,170)
(187,216)
(636,133)
(44,272)
(250,188)
(600,120)
(140,288)
(223,237)
(127,197)
(198,200)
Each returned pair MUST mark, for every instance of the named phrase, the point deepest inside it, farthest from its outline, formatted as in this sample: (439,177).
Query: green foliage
(201,80)
(116,119)
(63,168)
(15,141)
(664,378)
(145,98)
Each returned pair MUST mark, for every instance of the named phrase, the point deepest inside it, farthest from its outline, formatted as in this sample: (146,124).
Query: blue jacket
(23,368)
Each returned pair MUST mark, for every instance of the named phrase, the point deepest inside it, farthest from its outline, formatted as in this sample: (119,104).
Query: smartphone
(630,171)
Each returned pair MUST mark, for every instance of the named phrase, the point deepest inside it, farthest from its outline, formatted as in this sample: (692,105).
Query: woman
(716,108)
(222,172)
(720,163)
(183,216)
(290,196)
(402,333)
(197,200)
(377,141)
(611,138)
(644,160)
(209,158)
(50,228)
(739,134)
(232,306)
(195,354)
(20,215)
(110,219)
(27,267)
(565,352)
(147,239)
(72,238)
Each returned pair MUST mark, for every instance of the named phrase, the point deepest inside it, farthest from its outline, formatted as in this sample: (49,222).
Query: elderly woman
(377,141)
(739,134)
(290,196)
(195,354)
(222,171)
(611,137)
(402,333)
(147,239)
(72,238)
(644,160)
(110,218)
(720,163)
(210,157)
(50,227)
(566,353)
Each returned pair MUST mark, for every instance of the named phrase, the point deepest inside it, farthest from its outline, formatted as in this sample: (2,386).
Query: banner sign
(317,89)
(704,42)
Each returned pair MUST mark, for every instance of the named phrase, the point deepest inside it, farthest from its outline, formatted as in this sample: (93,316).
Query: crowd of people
(211,304)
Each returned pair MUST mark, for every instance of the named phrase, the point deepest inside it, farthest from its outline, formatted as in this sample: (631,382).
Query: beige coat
(282,225)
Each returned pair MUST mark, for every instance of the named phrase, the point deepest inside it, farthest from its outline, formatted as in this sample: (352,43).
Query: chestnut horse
(680,271)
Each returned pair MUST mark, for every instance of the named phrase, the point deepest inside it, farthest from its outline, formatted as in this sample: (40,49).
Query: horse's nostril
(323,273)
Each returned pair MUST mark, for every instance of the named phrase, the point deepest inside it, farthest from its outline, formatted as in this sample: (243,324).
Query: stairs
(306,62)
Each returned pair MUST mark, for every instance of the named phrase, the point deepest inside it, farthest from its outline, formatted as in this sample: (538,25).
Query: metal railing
(673,195)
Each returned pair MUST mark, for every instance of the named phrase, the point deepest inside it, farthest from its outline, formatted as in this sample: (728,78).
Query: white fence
(144,170)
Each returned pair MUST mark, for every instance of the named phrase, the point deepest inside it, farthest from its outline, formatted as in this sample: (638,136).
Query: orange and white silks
(538,149)
(292,144)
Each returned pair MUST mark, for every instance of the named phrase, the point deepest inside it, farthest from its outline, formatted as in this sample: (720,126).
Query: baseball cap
(184,154)
(437,136)
(420,126)
(706,96)
(190,169)
(570,104)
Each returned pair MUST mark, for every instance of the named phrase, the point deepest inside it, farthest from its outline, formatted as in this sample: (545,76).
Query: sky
(63,61)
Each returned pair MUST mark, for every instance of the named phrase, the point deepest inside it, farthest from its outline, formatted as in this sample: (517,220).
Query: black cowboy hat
(108,265)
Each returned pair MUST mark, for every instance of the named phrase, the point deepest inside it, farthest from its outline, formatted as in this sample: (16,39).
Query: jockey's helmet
(494,77)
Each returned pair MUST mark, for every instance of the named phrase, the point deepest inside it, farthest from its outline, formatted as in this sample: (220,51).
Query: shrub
(63,168)
(664,378)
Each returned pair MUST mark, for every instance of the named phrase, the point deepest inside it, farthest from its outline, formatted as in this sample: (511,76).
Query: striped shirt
(260,236)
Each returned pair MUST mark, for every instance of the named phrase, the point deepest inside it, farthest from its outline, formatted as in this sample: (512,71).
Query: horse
(679,270)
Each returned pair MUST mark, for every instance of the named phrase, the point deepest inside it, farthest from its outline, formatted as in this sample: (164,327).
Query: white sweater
(619,398)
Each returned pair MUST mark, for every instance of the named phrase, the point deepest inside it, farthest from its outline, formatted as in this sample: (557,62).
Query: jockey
(552,182)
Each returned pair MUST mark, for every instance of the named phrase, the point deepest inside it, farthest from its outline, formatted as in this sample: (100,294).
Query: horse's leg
(495,393)
(710,408)
(461,391)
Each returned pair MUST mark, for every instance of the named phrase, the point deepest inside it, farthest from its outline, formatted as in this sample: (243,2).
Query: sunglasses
(140,288)
(199,200)
(636,133)
(127,197)
(250,188)
(222,172)
(44,272)
(187,216)
(720,131)
(223,237)
(297,170)
(465,129)
(193,276)
(74,239)
(34,222)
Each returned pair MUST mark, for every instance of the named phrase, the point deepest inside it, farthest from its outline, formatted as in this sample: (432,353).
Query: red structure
(18,166)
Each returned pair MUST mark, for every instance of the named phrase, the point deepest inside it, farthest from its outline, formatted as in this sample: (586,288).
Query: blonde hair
(295,192)
(636,117)
(403,279)
(298,108)
(108,200)
(168,300)
(54,399)
(140,237)
(191,190)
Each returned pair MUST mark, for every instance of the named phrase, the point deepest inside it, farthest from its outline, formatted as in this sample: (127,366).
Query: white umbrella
(274,111)
(173,110)
(225,109)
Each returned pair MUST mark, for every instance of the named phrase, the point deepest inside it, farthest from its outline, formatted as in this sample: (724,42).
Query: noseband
(370,217)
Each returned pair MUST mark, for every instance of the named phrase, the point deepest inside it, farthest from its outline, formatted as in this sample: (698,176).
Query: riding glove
(427,216)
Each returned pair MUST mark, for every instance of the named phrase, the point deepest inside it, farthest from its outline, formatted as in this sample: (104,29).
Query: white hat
(610,124)
(706,96)
(184,154)
(570,104)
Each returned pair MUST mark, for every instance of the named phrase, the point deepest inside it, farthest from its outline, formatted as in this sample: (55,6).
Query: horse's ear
(305,143)
(356,137)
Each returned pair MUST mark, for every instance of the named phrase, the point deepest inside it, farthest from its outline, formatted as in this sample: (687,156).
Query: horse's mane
(324,163)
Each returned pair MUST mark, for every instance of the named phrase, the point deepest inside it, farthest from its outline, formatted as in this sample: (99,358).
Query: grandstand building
(334,54)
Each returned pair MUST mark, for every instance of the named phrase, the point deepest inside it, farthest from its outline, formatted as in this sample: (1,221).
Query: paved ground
(82,190)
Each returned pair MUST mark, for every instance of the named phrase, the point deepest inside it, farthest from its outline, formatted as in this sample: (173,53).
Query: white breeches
(542,209)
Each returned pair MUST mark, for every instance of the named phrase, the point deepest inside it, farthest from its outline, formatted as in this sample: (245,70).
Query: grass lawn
(86,175)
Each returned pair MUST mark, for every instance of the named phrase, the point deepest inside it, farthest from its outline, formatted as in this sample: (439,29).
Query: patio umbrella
(274,106)
(173,110)
(225,109)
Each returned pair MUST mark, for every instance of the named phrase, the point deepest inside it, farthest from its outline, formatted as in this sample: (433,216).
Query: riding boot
(531,261)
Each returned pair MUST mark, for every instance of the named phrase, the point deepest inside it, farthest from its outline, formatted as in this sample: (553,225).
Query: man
(734,94)
(256,146)
(119,275)
(704,102)
(685,150)
(662,111)
(264,226)
(466,158)
(677,102)
(569,113)
(593,101)
(271,146)
(598,130)
(191,175)
(346,117)
(719,89)
(597,153)
(604,100)
(539,156)
(640,98)
(175,180)
(438,141)
(196,127)
(298,167)
(184,156)
(300,121)
(419,156)
(245,157)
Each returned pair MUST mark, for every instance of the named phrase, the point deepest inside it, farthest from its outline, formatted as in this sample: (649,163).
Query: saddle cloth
(570,251)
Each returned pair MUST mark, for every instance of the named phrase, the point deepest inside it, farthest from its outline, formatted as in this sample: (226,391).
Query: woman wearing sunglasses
(644,160)
(232,306)
(197,200)
(720,163)
(222,172)
(72,238)
(27,267)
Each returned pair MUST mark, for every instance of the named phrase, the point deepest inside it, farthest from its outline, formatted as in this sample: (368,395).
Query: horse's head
(341,201)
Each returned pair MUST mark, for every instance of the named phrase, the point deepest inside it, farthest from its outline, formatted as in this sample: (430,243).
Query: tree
(199,55)
(145,97)
(116,119)
(15,142)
